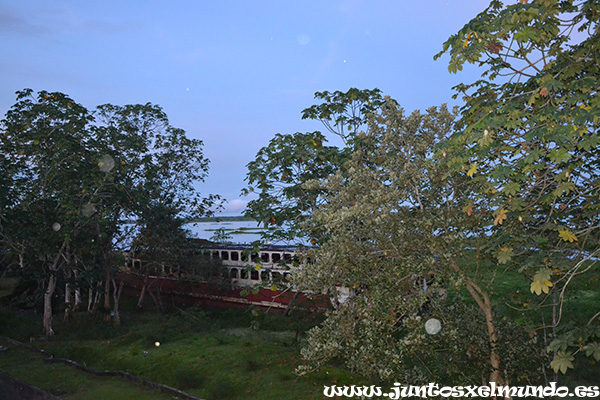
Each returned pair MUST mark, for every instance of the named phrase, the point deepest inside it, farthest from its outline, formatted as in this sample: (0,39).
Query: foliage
(277,175)
(279,170)
(387,230)
(72,178)
(530,126)
(344,113)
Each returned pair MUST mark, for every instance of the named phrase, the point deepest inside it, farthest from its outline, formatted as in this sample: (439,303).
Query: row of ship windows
(227,255)
(264,275)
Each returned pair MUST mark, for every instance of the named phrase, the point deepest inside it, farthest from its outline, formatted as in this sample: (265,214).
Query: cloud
(47,21)
(12,21)
(235,207)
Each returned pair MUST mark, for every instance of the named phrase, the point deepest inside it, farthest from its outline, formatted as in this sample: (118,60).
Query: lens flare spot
(106,163)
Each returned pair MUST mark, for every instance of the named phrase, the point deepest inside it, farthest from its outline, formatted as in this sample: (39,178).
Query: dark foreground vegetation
(248,354)
(232,354)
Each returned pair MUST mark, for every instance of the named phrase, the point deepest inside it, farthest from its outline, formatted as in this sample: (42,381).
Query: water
(238,231)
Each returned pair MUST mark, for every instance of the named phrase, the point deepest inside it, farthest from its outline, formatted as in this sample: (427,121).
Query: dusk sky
(231,73)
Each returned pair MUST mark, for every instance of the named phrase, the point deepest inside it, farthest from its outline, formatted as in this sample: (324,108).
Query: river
(237,231)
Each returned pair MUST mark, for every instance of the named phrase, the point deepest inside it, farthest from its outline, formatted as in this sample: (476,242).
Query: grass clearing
(209,355)
(69,383)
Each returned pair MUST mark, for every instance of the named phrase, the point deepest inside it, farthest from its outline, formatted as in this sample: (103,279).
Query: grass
(69,383)
(220,355)
(7,286)
(209,355)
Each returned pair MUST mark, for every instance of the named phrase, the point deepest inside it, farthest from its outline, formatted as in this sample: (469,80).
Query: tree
(74,178)
(47,170)
(530,140)
(289,160)
(152,171)
(394,234)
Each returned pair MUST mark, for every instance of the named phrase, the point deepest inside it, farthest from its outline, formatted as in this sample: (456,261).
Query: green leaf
(486,139)
(505,255)
(564,187)
(592,349)
(559,155)
(562,362)
(541,282)
(511,189)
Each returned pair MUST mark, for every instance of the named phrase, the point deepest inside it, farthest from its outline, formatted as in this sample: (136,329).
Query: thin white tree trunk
(141,298)
(116,297)
(47,319)
(77,298)
(67,301)
(90,299)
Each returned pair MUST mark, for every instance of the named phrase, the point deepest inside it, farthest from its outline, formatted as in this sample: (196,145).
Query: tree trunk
(67,301)
(141,297)
(107,291)
(116,298)
(90,299)
(47,319)
(483,301)
(96,300)
(77,299)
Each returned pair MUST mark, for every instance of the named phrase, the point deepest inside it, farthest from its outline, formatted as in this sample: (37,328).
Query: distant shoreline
(222,218)
(231,218)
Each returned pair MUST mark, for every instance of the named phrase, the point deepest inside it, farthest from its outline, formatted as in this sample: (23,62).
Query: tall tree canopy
(393,240)
(72,178)
(530,138)
(289,160)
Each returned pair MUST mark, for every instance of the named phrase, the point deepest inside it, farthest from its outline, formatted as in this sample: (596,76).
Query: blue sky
(232,73)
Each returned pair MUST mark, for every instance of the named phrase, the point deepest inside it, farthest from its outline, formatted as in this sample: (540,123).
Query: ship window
(235,256)
(224,255)
(244,256)
(254,275)
(243,274)
(264,257)
(254,257)
(286,276)
(233,273)
(215,254)
(276,257)
(276,276)
(264,276)
(287,257)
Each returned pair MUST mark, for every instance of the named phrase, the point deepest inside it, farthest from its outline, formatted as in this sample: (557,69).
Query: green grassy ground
(211,356)
(229,354)
(66,382)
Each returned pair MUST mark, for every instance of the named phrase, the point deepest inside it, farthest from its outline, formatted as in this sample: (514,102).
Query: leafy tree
(344,113)
(530,139)
(393,234)
(277,175)
(72,179)
(151,168)
(48,169)
(289,160)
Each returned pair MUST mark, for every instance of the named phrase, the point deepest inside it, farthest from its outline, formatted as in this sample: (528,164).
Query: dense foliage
(530,139)
(282,167)
(71,178)
(509,189)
